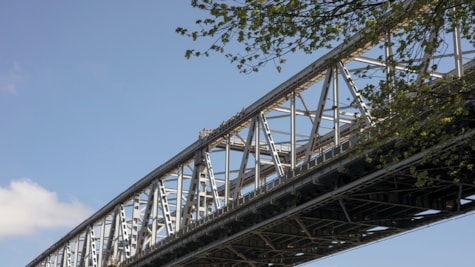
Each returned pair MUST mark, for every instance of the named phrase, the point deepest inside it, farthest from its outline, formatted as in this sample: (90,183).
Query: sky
(96,94)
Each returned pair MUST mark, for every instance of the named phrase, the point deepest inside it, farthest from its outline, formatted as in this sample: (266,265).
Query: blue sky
(96,94)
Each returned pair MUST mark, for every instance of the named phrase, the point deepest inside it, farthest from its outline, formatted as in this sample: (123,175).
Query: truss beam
(264,163)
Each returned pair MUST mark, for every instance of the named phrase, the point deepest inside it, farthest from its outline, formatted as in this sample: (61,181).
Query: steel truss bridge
(276,184)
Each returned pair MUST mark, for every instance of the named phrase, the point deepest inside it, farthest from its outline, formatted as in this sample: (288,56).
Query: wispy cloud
(10,80)
(26,208)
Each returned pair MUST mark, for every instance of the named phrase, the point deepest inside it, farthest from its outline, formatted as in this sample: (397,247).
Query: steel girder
(315,211)
(304,127)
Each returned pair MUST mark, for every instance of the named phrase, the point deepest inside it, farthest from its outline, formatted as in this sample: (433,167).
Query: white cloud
(10,80)
(26,208)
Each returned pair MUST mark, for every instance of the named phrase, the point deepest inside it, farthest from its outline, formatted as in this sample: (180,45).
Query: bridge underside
(327,210)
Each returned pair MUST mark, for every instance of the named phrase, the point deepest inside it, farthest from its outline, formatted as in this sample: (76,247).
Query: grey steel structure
(274,185)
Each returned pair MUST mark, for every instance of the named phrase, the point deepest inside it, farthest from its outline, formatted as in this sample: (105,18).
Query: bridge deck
(315,211)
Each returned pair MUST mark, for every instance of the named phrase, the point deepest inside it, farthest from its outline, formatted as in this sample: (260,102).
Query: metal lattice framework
(309,118)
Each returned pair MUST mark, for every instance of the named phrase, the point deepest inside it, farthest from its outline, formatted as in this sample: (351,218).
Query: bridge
(279,184)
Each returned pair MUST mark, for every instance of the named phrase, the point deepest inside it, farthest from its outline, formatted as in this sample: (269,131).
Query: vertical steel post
(226,169)
(201,201)
(84,249)
(101,241)
(390,69)
(93,252)
(135,224)
(76,251)
(257,157)
(293,158)
(66,260)
(179,195)
(154,214)
(457,51)
(55,259)
(124,232)
(336,108)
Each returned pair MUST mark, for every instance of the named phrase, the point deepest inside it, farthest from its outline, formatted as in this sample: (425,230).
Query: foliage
(268,30)
(429,119)
(430,111)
